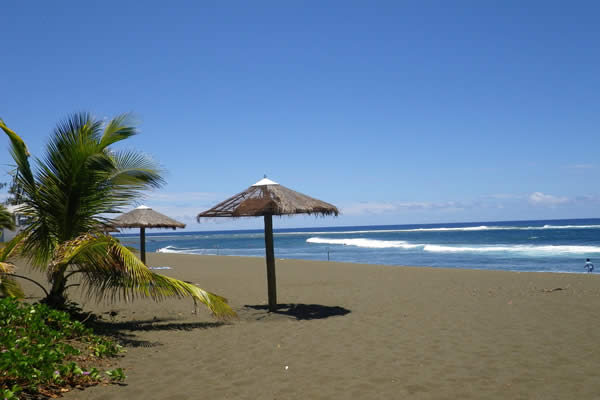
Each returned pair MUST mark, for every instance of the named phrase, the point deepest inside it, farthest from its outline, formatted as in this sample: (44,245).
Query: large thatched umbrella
(268,198)
(144,217)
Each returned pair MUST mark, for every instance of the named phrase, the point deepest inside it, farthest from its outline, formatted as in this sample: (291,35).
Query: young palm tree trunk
(57,297)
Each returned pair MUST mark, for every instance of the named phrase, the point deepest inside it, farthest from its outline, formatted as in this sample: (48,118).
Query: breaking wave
(168,249)
(502,228)
(177,250)
(540,250)
(531,250)
(368,243)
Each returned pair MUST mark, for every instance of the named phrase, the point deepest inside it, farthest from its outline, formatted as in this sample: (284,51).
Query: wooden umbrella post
(143,244)
(270,255)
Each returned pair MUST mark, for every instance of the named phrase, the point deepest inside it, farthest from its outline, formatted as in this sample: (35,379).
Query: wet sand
(350,331)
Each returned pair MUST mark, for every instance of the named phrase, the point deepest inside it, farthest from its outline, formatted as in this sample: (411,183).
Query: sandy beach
(349,331)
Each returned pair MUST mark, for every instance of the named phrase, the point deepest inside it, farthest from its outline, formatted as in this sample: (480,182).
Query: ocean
(549,245)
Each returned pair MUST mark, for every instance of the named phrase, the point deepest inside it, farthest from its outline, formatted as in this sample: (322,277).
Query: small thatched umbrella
(268,198)
(144,217)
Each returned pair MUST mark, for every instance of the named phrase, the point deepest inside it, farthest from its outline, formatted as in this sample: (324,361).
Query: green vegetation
(43,351)
(66,198)
(7,220)
(8,286)
(116,375)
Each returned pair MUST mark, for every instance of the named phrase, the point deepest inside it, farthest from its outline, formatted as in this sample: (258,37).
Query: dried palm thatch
(268,198)
(144,217)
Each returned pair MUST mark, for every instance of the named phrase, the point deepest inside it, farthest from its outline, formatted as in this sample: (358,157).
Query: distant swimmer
(588,265)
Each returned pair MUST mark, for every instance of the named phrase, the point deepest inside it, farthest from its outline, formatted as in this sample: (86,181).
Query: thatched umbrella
(267,198)
(144,217)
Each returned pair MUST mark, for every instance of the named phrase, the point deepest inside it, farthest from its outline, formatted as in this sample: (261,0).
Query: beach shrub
(43,351)
(116,375)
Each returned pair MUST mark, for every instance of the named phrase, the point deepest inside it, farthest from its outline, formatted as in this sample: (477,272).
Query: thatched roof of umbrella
(145,217)
(266,197)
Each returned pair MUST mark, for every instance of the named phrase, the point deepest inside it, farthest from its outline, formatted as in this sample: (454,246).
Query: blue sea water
(549,245)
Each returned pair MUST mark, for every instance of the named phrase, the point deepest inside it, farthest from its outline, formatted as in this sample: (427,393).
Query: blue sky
(397,112)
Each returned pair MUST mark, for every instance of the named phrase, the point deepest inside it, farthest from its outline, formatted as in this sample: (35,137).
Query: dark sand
(360,332)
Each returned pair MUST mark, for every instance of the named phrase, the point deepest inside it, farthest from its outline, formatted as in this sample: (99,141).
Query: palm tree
(67,198)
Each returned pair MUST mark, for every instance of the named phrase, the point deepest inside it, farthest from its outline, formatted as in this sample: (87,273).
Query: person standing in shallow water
(588,265)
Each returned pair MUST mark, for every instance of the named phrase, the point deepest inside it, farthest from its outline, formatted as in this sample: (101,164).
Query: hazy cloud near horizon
(375,208)
(541,199)
(499,201)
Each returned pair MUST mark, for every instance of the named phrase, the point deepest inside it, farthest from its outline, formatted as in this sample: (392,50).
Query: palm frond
(6,268)
(20,154)
(132,175)
(12,248)
(8,286)
(7,219)
(76,126)
(163,286)
(119,128)
(110,270)
(136,170)
(36,242)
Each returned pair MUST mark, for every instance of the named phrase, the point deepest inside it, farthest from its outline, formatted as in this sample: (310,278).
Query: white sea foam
(468,228)
(437,248)
(569,227)
(176,250)
(168,249)
(368,243)
(532,250)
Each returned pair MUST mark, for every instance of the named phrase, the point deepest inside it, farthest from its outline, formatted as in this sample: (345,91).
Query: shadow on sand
(122,331)
(300,311)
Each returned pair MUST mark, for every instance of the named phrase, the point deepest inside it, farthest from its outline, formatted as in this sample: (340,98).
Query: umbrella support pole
(143,244)
(270,256)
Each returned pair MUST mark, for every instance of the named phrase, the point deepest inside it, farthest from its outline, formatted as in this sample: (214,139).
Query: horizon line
(350,226)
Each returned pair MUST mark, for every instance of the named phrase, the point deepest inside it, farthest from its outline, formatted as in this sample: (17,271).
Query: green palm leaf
(119,128)
(20,154)
(11,248)
(7,220)
(8,286)
(6,268)
(110,270)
